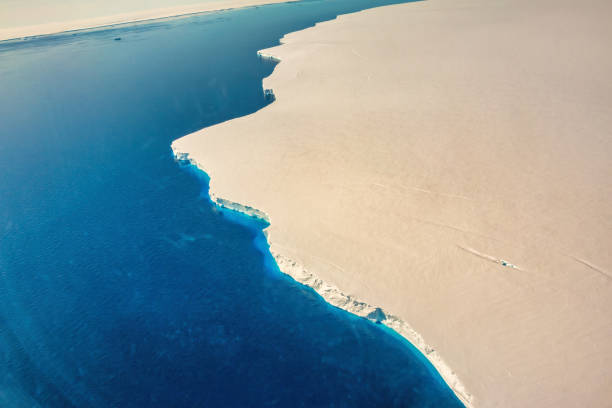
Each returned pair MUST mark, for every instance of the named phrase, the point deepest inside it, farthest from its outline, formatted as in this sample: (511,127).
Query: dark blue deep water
(120,284)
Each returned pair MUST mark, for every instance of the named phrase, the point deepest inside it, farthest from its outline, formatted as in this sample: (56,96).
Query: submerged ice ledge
(333,295)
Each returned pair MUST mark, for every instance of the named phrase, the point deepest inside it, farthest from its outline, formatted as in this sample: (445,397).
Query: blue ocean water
(121,285)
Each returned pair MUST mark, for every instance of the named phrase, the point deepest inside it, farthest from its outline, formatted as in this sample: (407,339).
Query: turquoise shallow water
(121,284)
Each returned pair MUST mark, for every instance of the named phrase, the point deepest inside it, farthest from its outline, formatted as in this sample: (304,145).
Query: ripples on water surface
(120,286)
